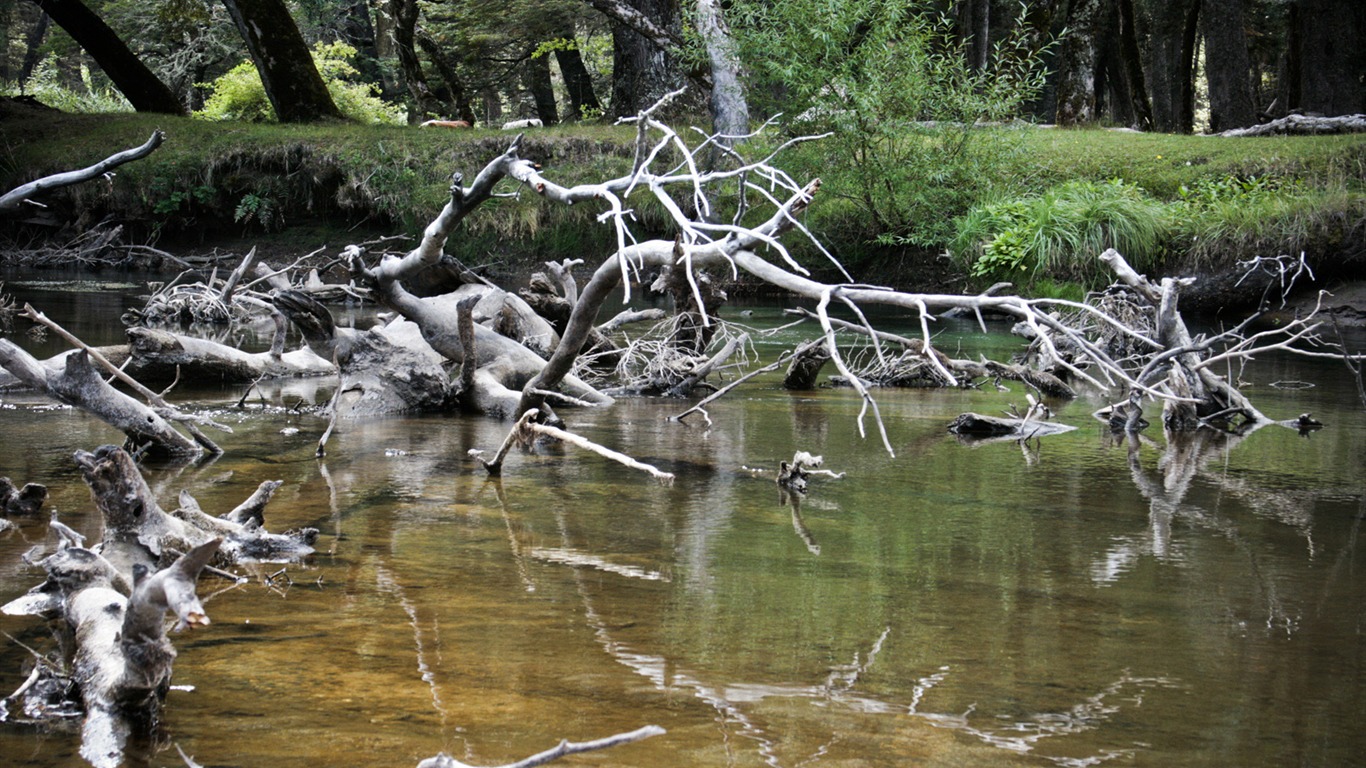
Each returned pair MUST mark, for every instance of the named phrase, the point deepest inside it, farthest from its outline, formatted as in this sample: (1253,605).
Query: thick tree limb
(12,200)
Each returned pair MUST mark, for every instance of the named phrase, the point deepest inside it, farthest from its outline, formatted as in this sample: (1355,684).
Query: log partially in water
(977,425)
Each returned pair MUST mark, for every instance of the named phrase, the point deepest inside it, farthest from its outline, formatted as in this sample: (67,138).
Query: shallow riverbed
(1068,604)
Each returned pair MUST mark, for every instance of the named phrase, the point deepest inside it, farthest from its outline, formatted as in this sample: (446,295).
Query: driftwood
(1303,125)
(79,384)
(13,200)
(527,429)
(114,622)
(139,532)
(978,425)
(25,501)
(564,748)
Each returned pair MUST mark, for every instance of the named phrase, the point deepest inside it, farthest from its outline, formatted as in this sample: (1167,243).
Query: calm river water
(953,606)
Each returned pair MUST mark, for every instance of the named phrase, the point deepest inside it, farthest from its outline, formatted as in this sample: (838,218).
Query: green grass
(209,176)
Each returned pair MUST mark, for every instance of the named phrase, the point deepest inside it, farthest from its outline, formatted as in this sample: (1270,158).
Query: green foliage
(47,86)
(906,112)
(239,94)
(1059,233)
(167,198)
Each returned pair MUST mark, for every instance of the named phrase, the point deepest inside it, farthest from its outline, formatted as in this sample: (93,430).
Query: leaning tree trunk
(578,83)
(455,91)
(292,82)
(424,104)
(135,81)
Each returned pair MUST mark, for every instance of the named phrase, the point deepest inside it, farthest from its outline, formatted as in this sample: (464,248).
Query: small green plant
(167,199)
(259,208)
(239,94)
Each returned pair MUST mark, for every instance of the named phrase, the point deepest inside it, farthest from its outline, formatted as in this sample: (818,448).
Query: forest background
(937,170)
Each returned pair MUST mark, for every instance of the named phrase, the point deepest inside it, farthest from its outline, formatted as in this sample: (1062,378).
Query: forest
(565,293)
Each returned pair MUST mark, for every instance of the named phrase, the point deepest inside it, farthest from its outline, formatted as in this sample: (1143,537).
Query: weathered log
(804,371)
(12,200)
(385,370)
(201,359)
(80,385)
(139,532)
(112,624)
(976,425)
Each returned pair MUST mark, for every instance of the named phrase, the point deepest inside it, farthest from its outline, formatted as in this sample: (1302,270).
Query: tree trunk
(642,71)
(1078,64)
(1329,57)
(456,95)
(1227,66)
(143,89)
(729,109)
(1170,63)
(1131,62)
(292,83)
(577,83)
(542,91)
(32,48)
(424,105)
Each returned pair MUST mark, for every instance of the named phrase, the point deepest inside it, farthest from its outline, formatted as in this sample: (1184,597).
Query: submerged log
(25,501)
(977,425)
(139,532)
(201,359)
(79,384)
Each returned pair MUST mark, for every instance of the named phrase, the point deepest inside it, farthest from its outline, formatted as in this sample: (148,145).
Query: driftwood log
(114,622)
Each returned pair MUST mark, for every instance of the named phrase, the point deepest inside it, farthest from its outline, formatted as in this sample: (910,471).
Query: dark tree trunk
(1170,63)
(143,89)
(358,30)
(577,83)
(972,19)
(1328,59)
(292,83)
(455,93)
(1227,65)
(1131,62)
(32,46)
(541,89)
(424,104)
(642,72)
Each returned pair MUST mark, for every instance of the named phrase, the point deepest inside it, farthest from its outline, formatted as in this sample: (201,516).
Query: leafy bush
(239,94)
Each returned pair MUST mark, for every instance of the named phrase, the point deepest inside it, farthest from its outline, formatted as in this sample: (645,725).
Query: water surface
(1070,603)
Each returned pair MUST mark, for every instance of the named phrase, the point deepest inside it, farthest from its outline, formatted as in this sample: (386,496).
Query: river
(1067,603)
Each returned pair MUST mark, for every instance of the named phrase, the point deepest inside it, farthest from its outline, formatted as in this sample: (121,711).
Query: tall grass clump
(1058,235)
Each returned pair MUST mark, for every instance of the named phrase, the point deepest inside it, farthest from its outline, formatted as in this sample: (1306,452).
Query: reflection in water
(1191,603)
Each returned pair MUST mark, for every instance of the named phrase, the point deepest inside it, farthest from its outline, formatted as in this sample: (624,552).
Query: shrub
(239,94)
(1059,234)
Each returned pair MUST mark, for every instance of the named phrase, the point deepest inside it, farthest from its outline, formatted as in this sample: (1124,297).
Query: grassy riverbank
(1208,200)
